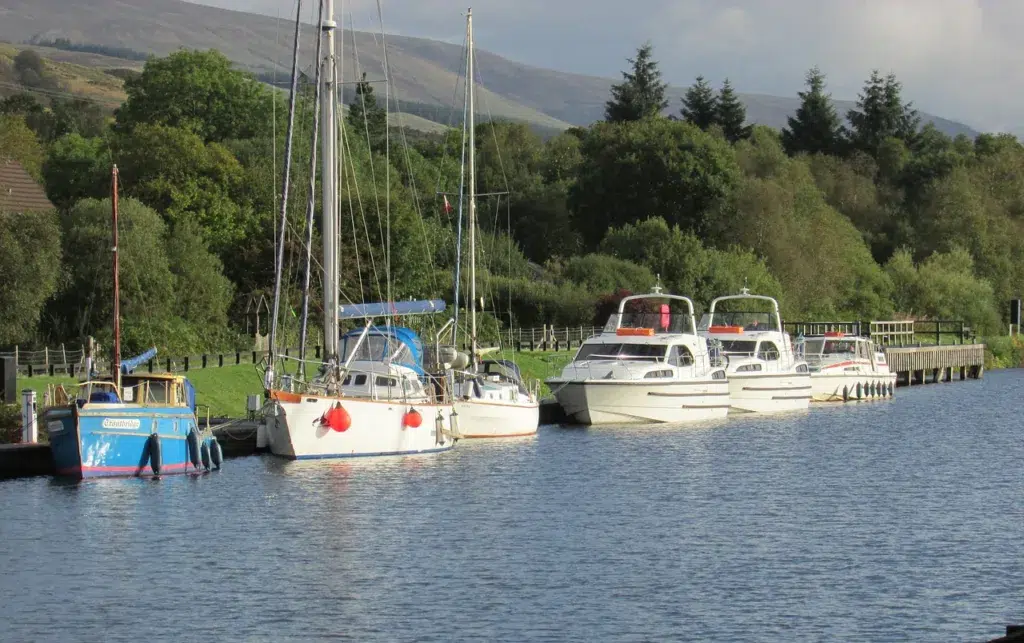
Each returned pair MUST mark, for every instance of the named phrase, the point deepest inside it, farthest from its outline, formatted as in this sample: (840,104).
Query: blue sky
(961,59)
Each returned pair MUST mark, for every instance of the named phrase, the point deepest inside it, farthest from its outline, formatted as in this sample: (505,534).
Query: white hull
(776,393)
(619,402)
(295,428)
(830,387)
(483,419)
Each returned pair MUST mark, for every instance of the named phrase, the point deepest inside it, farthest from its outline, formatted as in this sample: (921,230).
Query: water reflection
(877,521)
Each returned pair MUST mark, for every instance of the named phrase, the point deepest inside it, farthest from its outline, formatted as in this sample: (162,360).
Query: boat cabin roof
(652,314)
(736,322)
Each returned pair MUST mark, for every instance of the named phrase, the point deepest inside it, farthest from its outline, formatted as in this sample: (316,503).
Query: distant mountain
(425,72)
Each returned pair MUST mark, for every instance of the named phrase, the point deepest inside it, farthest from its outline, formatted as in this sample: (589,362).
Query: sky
(959,59)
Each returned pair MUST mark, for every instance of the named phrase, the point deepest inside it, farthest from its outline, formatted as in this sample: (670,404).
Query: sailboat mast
(472,189)
(329,183)
(116,361)
(311,201)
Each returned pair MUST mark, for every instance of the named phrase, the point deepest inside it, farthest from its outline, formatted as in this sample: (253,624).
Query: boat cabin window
(358,380)
(663,320)
(738,346)
(641,352)
(388,382)
(768,351)
(680,356)
(151,391)
(753,321)
(376,348)
(839,347)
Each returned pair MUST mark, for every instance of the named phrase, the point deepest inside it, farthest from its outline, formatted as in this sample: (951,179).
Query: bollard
(29,421)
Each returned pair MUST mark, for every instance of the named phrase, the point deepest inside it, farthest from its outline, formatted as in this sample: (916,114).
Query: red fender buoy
(337,419)
(412,419)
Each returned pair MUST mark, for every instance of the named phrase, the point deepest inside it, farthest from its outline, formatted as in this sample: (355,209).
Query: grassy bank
(224,389)
(1003,352)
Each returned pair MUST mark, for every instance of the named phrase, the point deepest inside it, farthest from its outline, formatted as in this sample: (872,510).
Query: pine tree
(641,94)
(881,114)
(700,105)
(731,114)
(366,118)
(815,128)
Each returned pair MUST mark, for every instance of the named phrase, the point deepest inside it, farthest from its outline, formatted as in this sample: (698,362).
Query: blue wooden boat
(127,425)
(148,427)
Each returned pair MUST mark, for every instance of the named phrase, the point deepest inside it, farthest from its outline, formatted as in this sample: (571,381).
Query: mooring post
(29,421)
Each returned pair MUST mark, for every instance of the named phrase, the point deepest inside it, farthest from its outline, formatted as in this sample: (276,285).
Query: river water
(886,521)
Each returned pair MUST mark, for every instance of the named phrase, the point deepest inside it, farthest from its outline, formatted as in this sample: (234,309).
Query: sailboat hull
(482,419)
(297,430)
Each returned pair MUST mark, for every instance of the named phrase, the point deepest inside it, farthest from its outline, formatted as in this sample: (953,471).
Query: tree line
(867,216)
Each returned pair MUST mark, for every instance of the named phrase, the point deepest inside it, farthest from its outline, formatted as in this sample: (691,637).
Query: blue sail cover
(129,365)
(388,339)
(365,311)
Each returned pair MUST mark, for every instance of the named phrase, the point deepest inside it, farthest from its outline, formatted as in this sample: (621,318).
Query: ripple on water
(883,521)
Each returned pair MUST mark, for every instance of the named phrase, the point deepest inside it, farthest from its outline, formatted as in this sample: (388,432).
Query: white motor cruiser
(648,365)
(764,373)
(846,367)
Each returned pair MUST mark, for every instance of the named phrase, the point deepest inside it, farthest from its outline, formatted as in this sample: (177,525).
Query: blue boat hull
(100,441)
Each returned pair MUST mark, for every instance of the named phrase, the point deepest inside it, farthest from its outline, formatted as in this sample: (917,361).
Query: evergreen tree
(700,105)
(366,118)
(641,94)
(731,114)
(881,114)
(815,128)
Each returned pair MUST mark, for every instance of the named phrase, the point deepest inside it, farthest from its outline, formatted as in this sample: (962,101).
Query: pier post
(29,420)
(963,373)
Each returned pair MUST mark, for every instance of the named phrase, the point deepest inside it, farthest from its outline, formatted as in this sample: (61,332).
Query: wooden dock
(932,364)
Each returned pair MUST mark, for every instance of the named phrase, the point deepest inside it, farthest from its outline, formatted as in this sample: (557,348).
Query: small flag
(447,206)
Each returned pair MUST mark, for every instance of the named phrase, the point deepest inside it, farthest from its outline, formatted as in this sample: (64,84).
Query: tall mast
(329,182)
(116,361)
(472,189)
(311,202)
(279,259)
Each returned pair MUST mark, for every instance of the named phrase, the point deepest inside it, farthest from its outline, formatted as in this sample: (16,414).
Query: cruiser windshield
(643,352)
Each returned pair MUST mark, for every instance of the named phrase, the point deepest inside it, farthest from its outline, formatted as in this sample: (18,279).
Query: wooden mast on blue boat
(116,358)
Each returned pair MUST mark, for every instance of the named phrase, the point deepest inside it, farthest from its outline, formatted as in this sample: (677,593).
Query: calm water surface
(886,521)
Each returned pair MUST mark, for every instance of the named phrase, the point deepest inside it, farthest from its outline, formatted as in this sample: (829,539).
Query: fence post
(150,366)
(186,363)
(204,360)
(15,356)
(46,356)
(220,361)
(938,334)
(63,354)
(30,369)
(254,358)
(238,357)
(170,365)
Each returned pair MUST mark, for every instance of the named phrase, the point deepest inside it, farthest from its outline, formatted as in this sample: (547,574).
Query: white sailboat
(765,375)
(648,365)
(491,399)
(371,396)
